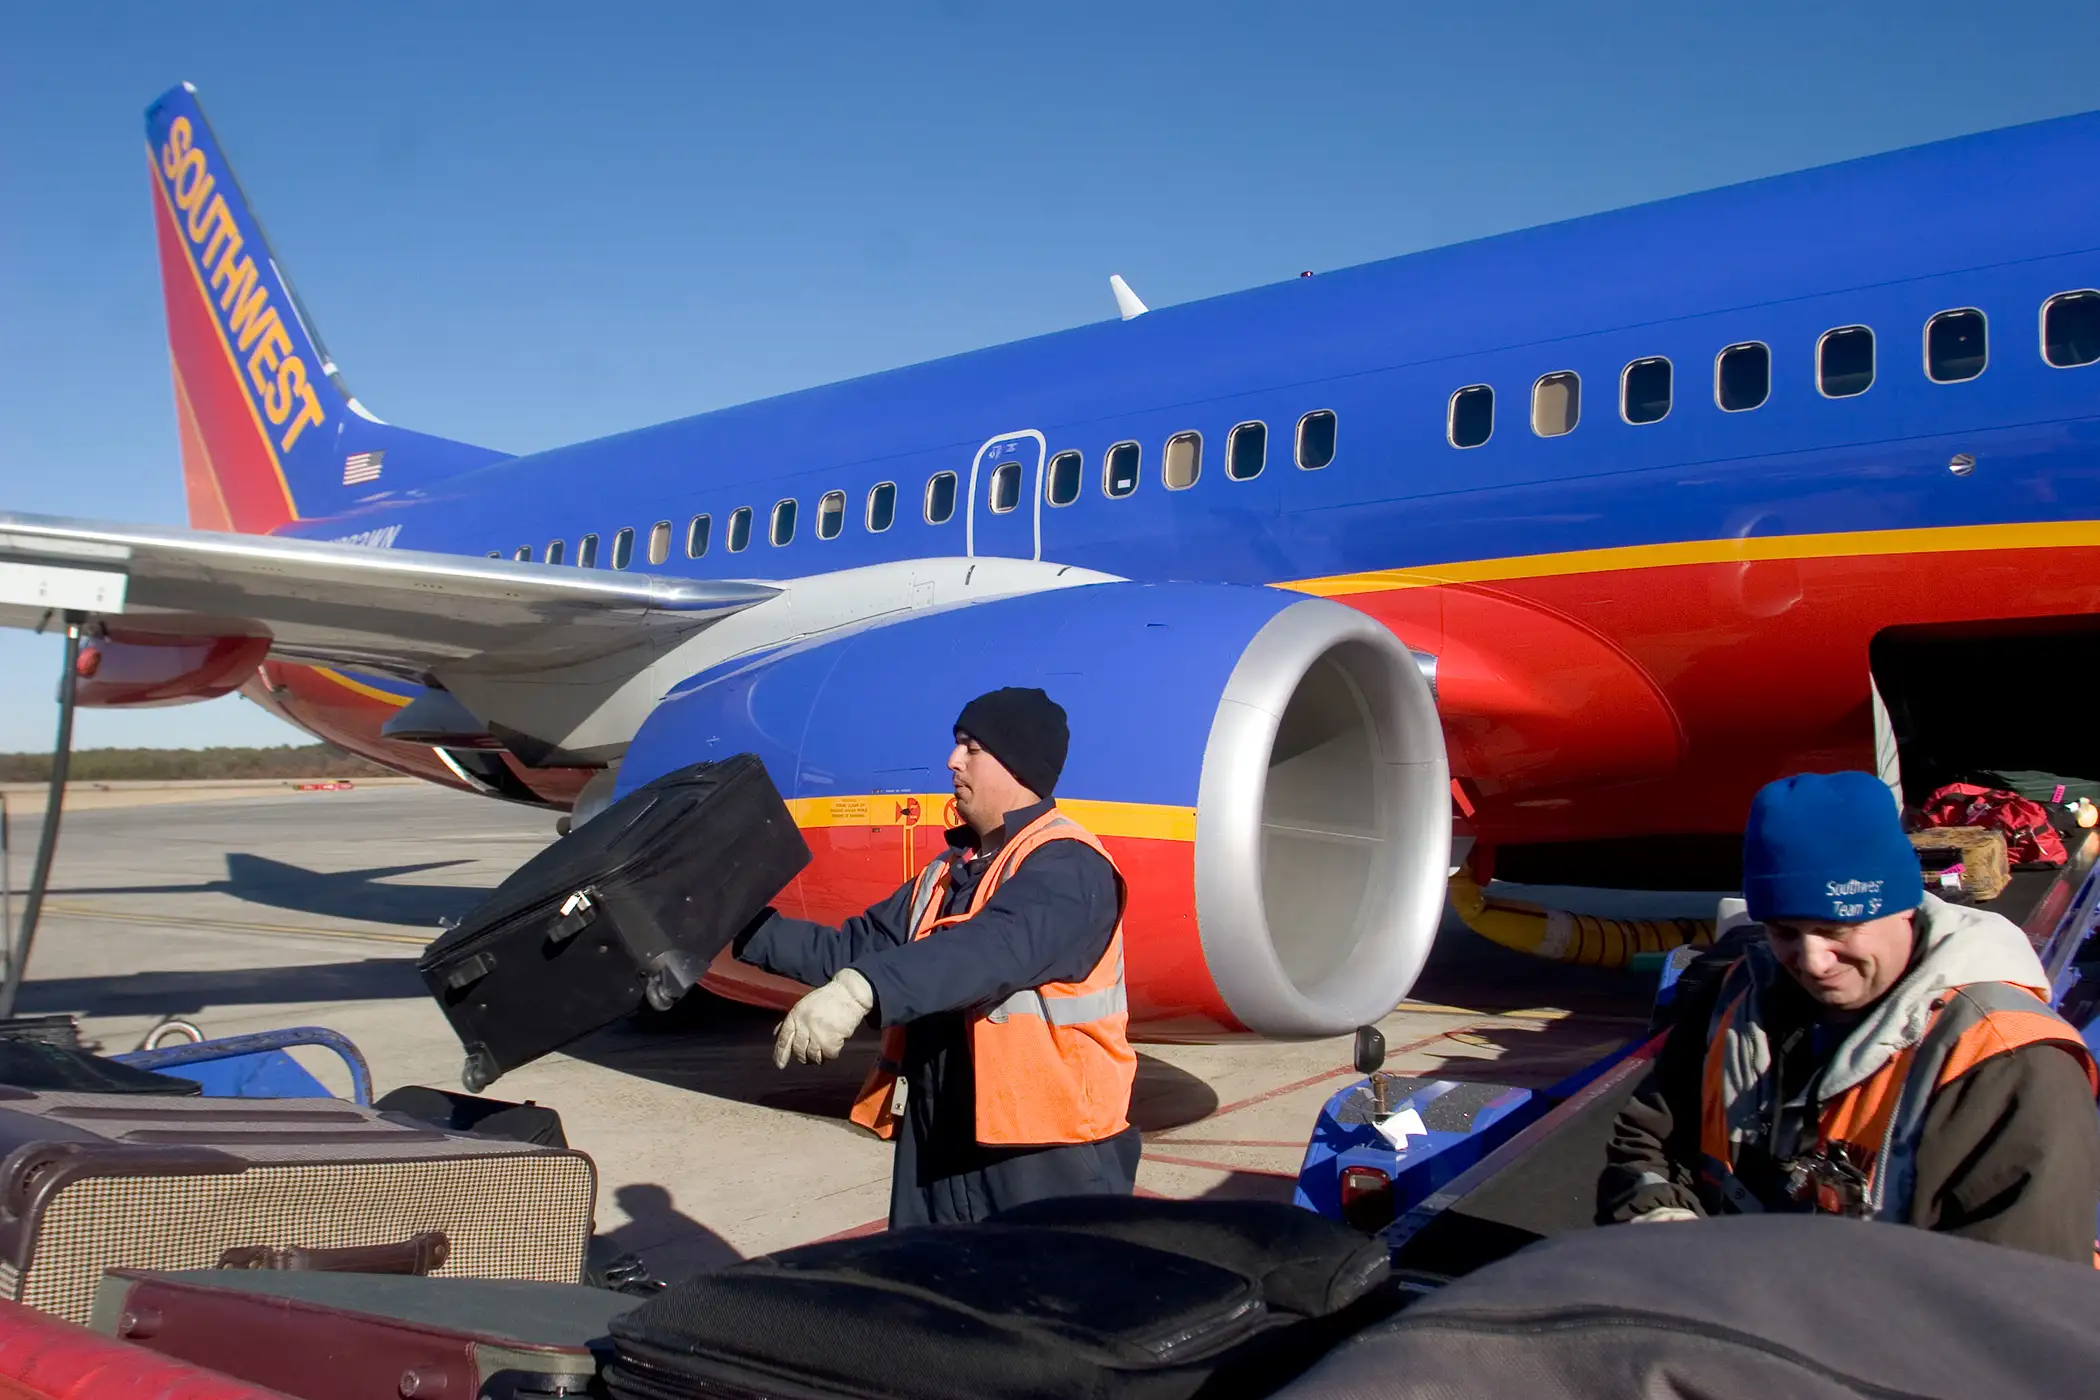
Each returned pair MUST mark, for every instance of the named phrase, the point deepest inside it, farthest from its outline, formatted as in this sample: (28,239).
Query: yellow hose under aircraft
(1587,940)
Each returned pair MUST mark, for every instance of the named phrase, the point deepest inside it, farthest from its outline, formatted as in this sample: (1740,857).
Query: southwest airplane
(1573,536)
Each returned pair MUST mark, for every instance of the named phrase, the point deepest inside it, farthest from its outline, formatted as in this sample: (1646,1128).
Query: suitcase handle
(419,1255)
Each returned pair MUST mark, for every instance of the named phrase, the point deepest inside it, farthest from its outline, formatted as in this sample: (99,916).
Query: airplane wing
(398,611)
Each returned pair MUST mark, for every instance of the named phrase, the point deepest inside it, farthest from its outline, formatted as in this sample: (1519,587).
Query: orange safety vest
(1054,1063)
(1882,1119)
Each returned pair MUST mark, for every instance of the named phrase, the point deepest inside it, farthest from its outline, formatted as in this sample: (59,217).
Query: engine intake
(1268,770)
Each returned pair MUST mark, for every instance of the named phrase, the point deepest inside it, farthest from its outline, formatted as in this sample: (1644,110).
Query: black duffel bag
(1089,1299)
(1747,1308)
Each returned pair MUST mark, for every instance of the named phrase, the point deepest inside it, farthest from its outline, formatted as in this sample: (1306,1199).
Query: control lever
(1370,1060)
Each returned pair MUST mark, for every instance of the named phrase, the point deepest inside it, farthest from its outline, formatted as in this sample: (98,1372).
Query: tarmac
(273,908)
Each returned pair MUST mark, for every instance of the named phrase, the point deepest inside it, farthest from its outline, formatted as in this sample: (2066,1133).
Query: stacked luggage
(93,1181)
(1093,1296)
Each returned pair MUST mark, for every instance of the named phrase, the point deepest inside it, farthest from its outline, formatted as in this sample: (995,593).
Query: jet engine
(1268,771)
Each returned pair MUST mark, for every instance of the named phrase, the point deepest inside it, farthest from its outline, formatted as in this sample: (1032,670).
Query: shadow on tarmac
(675,1245)
(1469,971)
(711,1045)
(348,894)
(177,993)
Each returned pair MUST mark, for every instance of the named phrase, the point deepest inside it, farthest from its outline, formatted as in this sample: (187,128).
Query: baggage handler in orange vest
(997,976)
(1874,1052)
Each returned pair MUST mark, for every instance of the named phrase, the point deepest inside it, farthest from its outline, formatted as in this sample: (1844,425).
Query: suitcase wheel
(671,978)
(479,1071)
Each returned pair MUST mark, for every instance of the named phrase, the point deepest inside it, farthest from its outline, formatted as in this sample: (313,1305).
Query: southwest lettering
(221,230)
(192,169)
(200,209)
(171,155)
(255,329)
(270,351)
(251,317)
(238,273)
(291,382)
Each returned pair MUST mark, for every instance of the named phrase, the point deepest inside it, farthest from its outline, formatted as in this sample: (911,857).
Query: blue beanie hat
(1828,848)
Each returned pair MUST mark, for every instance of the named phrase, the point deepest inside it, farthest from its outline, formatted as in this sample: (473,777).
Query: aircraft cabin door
(1006,498)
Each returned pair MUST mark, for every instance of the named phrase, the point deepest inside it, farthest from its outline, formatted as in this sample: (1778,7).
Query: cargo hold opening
(1998,703)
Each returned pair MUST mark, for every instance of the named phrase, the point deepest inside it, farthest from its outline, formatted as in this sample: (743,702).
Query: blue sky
(525,224)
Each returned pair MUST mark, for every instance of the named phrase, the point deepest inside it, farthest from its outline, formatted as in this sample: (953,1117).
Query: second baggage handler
(1876,1053)
(997,975)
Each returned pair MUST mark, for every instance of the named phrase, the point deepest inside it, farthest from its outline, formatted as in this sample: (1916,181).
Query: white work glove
(817,1026)
(1662,1213)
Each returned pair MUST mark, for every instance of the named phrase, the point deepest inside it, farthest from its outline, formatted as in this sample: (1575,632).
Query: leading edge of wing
(356,600)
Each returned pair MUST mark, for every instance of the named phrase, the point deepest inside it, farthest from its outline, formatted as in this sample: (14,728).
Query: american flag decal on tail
(361,467)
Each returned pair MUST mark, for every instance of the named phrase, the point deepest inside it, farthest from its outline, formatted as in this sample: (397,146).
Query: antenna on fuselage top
(1126,300)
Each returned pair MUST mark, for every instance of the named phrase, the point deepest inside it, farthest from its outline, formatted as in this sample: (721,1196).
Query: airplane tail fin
(269,432)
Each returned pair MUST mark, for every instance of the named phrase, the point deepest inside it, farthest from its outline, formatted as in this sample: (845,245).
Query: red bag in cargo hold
(2029,839)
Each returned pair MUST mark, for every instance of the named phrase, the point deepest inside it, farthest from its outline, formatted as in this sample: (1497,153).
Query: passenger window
(1742,377)
(523,554)
(940,498)
(783,529)
(555,550)
(882,507)
(1315,440)
(831,514)
(1005,487)
(1644,391)
(740,529)
(1556,403)
(1119,470)
(623,549)
(1183,462)
(1471,418)
(1845,362)
(1065,471)
(1956,346)
(587,552)
(1247,451)
(2071,329)
(696,532)
(659,541)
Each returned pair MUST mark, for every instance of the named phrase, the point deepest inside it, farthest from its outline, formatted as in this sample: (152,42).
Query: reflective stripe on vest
(1064,1010)
(1066,1080)
(1883,1117)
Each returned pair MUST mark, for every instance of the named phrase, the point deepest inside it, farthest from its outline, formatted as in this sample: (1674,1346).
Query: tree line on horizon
(186,765)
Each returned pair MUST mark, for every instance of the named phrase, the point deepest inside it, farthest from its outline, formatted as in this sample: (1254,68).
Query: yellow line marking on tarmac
(122,916)
(1536,1013)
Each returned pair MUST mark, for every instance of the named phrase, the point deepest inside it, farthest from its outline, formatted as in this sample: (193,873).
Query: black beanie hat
(1024,729)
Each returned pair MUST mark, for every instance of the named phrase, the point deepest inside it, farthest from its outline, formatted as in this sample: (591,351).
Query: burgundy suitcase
(98,1181)
(341,1336)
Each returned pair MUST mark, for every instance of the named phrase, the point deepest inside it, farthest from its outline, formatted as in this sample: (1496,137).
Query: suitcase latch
(470,971)
(576,914)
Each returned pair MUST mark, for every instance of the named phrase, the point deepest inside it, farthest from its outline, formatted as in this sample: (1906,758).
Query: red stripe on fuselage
(1649,701)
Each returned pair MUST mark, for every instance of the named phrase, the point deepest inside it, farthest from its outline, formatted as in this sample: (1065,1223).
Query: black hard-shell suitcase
(1116,1305)
(629,907)
(348,1336)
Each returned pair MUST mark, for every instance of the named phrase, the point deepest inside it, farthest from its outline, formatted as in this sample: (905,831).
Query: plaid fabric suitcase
(97,1181)
(329,1336)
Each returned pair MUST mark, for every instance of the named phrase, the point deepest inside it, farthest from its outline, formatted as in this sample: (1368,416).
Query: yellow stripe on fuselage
(373,692)
(1125,819)
(1847,544)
